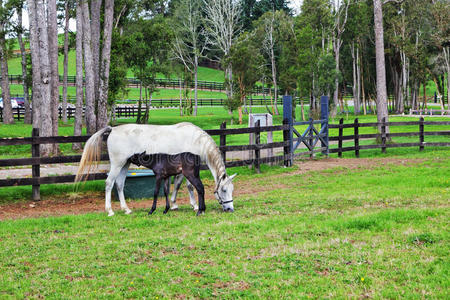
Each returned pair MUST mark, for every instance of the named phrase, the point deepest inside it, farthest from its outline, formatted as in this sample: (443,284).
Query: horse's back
(128,139)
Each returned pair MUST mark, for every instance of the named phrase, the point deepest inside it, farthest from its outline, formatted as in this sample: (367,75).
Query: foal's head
(224,192)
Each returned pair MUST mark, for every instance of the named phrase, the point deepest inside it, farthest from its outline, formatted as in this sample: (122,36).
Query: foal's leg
(178,180)
(120,182)
(197,183)
(166,193)
(155,194)
(109,184)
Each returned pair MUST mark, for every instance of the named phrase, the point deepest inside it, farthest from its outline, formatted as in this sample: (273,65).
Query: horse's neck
(215,164)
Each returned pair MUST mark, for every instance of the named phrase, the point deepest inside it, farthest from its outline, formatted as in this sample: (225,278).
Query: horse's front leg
(155,194)
(197,183)
(166,193)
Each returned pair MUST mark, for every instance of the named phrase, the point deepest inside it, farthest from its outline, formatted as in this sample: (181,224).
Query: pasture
(327,228)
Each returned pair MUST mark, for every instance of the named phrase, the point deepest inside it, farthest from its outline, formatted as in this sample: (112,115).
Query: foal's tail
(91,153)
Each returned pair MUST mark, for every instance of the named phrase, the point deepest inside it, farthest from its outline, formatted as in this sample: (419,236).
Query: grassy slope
(315,235)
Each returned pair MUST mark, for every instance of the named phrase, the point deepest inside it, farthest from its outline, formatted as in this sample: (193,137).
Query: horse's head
(224,192)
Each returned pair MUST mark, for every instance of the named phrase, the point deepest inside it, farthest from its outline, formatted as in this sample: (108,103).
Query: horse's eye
(224,190)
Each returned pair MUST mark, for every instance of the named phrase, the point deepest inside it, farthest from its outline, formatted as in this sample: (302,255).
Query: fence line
(384,137)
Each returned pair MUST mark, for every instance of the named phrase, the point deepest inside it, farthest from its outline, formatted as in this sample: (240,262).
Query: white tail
(91,154)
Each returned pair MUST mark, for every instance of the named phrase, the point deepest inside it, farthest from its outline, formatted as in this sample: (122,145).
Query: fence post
(287,134)
(311,137)
(257,142)
(341,134)
(223,142)
(324,124)
(35,171)
(18,113)
(383,135)
(421,135)
(356,134)
(286,148)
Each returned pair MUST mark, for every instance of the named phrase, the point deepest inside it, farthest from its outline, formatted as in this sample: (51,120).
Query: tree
(78,123)
(340,11)
(5,15)
(190,41)
(246,68)
(222,24)
(91,122)
(382,109)
(102,116)
(19,29)
(52,24)
(67,14)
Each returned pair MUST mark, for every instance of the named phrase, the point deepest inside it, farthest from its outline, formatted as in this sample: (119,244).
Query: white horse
(125,140)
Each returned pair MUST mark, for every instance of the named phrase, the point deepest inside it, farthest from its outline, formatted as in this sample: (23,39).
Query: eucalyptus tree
(246,68)
(340,14)
(52,24)
(191,41)
(441,36)
(20,30)
(223,26)
(382,108)
(78,122)
(271,29)
(104,65)
(5,15)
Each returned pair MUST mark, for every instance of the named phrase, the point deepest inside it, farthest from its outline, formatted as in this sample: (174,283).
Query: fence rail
(385,137)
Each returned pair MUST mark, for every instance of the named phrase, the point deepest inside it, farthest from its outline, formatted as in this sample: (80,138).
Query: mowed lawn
(378,230)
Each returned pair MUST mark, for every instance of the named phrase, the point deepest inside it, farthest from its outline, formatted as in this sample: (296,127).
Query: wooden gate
(311,136)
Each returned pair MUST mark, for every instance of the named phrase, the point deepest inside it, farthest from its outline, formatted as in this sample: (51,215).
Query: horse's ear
(224,176)
(232,176)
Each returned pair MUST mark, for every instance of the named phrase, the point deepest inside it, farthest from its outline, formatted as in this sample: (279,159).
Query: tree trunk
(66,61)
(36,69)
(53,57)
(78,123)
(91,123)
(195,85)
(382,109)
(229,85)
(46,128)
(356,102)
(102,112)
(336,80)
(95,42)
(8,117)
(23,55)
(181,97)
(274,78)
(446,51)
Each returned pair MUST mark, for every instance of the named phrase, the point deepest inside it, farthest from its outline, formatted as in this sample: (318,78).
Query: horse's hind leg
(178,180)
(109,184)
(166,193)
(120,183)
(192,199)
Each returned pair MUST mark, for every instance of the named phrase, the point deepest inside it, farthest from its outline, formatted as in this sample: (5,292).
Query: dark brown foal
(166,165)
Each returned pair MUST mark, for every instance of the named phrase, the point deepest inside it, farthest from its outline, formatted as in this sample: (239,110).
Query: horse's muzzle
(228,209)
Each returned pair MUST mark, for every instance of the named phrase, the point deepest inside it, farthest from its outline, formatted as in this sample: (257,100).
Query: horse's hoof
(200,213)
(110,214)
(150,212)
(195,207)
(165,212)
(127,211)
(174,207)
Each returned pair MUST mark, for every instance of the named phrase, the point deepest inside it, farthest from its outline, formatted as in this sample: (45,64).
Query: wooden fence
(385,138)
(36,160)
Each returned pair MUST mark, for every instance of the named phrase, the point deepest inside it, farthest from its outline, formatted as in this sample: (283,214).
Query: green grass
(376,232)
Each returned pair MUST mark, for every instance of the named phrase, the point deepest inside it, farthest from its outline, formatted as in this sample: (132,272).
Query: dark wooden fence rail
(384,137)
(36,160)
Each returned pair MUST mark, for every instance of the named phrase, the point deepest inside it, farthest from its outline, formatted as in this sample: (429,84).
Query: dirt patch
(94,202)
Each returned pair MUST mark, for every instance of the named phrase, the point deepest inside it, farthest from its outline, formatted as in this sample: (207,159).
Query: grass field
(378,231)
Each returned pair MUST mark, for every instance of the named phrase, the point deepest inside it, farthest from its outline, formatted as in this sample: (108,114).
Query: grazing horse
(126,140)
(165,165)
